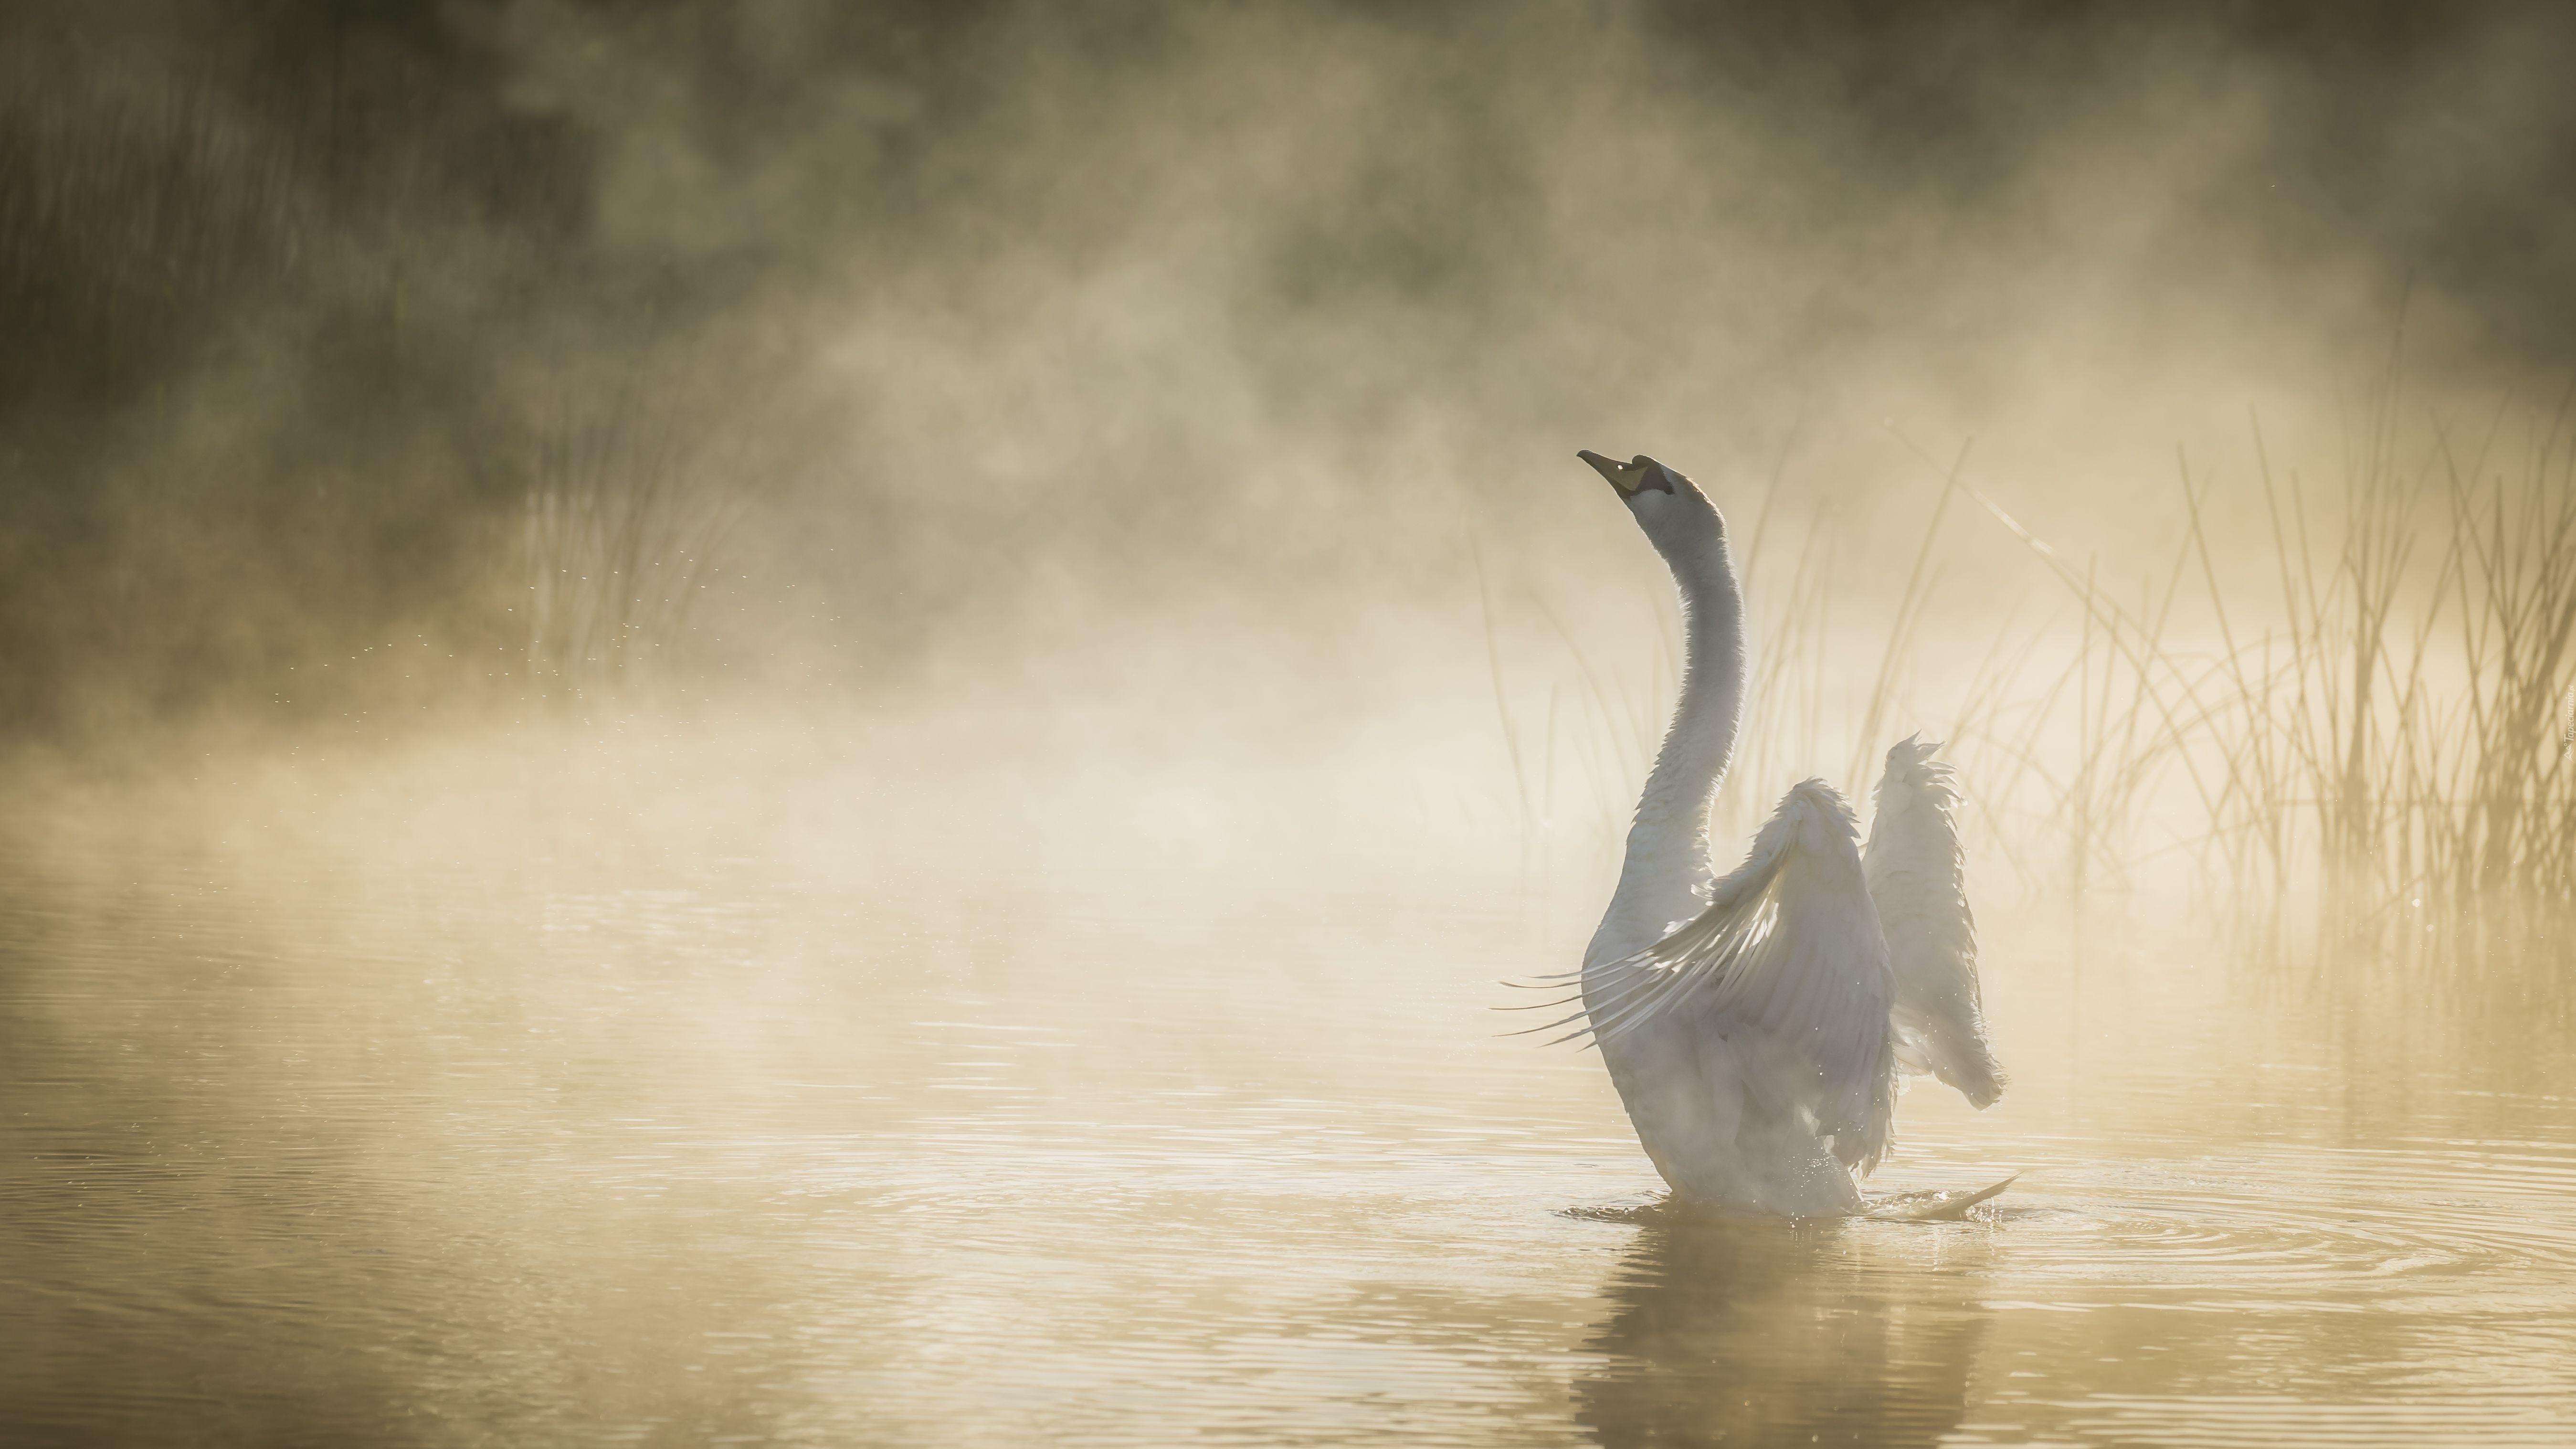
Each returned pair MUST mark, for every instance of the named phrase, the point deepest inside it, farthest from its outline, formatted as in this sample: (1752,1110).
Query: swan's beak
(1608,468)
(1638,475)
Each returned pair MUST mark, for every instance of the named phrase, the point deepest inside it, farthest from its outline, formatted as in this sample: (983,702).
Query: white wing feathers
(1788,964)
(1913,869)
(1824,968)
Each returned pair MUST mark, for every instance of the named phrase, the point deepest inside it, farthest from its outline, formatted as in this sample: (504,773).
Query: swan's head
(1676,516)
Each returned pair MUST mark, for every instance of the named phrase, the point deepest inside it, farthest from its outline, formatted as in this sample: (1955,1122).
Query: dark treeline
(312,347)
(234,438)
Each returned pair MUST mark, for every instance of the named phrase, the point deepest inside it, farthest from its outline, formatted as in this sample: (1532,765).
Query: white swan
(1754,1022)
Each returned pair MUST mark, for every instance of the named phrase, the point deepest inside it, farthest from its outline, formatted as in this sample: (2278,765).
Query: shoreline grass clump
(624,521)
(2380,752)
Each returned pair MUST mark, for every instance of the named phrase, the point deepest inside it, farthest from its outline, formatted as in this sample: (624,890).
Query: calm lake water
(344,1115)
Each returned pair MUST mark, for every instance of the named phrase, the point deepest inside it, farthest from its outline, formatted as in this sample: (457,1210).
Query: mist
(985,614)
(989,348)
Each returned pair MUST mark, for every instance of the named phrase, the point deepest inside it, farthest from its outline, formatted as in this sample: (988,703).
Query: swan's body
(1754,1023)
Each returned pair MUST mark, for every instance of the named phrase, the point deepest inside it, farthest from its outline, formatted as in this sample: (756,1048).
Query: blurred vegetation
(324,395)
(236,442)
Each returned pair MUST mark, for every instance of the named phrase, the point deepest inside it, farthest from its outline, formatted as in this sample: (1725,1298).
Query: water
(402,1114)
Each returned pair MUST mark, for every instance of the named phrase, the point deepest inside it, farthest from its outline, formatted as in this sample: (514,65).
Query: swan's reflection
(1760,1333)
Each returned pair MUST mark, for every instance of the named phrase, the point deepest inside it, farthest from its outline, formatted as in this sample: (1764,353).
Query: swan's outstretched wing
(1788,965)
(1913,866)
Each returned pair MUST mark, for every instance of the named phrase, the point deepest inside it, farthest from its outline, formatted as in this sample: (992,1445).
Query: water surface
(427,1118)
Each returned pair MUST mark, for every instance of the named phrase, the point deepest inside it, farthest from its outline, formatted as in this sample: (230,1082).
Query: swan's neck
(1666,874)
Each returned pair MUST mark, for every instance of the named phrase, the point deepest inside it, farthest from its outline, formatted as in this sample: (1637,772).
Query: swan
(1755,1022)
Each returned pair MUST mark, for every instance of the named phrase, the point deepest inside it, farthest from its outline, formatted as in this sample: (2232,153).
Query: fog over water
(825,723)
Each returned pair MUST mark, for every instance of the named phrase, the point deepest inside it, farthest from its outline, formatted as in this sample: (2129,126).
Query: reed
(626,514)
